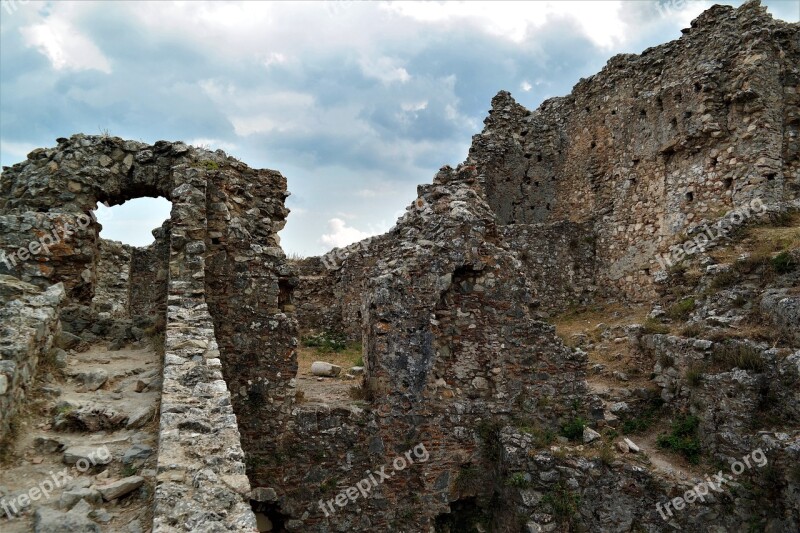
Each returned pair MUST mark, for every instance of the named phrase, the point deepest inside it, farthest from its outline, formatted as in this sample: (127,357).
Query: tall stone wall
(451,351)
(655,143)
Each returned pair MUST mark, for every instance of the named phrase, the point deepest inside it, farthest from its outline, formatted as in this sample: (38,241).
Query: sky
(355,103)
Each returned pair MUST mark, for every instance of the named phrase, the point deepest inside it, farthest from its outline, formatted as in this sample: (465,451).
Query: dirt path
(103,410)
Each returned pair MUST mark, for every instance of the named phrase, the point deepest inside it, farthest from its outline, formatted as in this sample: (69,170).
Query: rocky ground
(89,439)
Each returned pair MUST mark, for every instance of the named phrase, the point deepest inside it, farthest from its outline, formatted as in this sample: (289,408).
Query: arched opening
(131,261)
(133,222)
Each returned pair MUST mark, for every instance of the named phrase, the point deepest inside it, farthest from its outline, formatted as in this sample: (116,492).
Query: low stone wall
(29,327)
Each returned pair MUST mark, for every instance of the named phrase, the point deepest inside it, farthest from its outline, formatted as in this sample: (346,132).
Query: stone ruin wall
(112,287)
(631,162)
(147,294)
(654,143)
(446,302)
(29,328)
(450,347)
(201,476)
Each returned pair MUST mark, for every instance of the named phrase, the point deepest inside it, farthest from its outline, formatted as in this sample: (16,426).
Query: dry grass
(584,321)
(763,241)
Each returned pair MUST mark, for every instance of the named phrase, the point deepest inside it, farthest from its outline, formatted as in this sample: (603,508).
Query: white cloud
(525,86)
(212,144)
(341,234)
(379,190)
(600,21)
(274,58)
(65,46)
(411,107)
(16,149)
(384,69)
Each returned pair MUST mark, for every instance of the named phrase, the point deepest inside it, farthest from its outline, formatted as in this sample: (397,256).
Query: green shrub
(725,279)
(489,433)
(694,329)
(683,438)
(682,309)
(666,360)
(573,430)
(563,502)
(646,417)
(783,263)
(518,480)
(326,342)
(468,480)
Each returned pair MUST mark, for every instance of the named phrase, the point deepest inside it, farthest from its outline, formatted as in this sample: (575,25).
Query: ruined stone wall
(450,350)
(147,295)
(29,327)
(316,307)
(654,143)
(249,293)
(113,281)
(559,258)
(201,481)
(44,248)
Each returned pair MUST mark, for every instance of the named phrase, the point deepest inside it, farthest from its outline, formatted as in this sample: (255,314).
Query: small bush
(682,309)
(573,430)
(563,502)
(359,361)
(489,433)
(666,360)
(694,375)
(645,420)
(652,326)
(607,455)
(782,219)
(725,279)
(683,438)
(732,355)
(468,480)
(783,263)
(518,480)
(326,342)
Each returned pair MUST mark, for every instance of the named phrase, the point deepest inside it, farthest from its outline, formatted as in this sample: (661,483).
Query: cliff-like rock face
(655,144)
